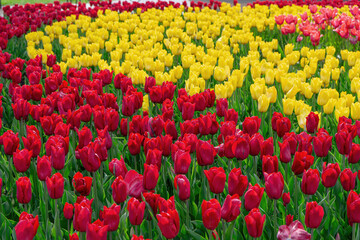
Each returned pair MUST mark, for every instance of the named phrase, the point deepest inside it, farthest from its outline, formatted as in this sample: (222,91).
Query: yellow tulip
(289,48)
(288,105)
(263,103)
(168,60)
(315,84)
(355,111)
(325,76)
(341,112)
(329,106)
(355,85)
(207,71)
(220,74)
(330,50)
(271,93)
(335,74)
(269,76)
(257,90)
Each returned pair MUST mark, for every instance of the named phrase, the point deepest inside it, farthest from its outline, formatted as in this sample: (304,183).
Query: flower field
(162,120)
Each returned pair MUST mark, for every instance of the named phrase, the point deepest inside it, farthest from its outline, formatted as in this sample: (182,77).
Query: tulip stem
(224,229)
(275,219)
(95,194)
(57,220)
(187,213)
(209,232)
(11,177)
(82,235)
(46,210)
(255,166)
(343,162)
(296,196)
(353,231)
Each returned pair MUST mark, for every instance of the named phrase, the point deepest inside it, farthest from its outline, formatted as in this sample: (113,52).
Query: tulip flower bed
(168,121)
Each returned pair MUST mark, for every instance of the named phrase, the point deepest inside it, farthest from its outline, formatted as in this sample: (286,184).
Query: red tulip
(216,178)
(136,211)
(274,185)
(182,161)
(231,208)
(270,164)
(21,109)
(134,143)
(353,208)
(74,236)
(169,223)
(279,19)
(82,216)
(221,107)
(10,140)
(27,226)
(188,110)
(151,176)
(23,190)
(153,156)
(111,217)
(283,126)
(55,186)
(313,215)
(347,179)
(182,183)
(240,147)
(255,144)
(343,141)
(57,157)
(354,155)
(211,213)
(322,143)
(285,151)
(294,231)
(237,183)
(310,181)
(253,197)
(68,211)
(231,115)
(286,198)
(312,122)
(134,181)
(82,184)
(117,167)
(330,174)
(305,140)
(267,147)
(89,159)
(255,223)
(119,190)
(302,161)
(292,139)
(289,219)
(251,125)
(205,153)
(96,231)
(22,160)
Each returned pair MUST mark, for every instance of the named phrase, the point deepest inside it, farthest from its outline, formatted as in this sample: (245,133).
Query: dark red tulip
(57,157)
(23,190)
(73,236)
(289,219)
(347,179)
(124,127)
(136,211)
(153,200)
(166,142)
(62,129)
(221,107)
(188,110)
(211,213)
(330,174)
(182,161)
(89,159)
(302,161)
(33,140)
(322,143)
(22,160)
(343,141)
(181,183)
(134,143)
(134,181)
(21,109)
(104,134)
(68,211)
(82,184)
(353,208)
(304,140)
(205,153)
(286,198)
(285,151)
(354,155)
(312,122)
(237,182)
(231,208)
(241,147)
(267,147)
(169,223)
(51,60)
(313,215)
(227,128)
(43,167)
(255,144)
(27,226)
(255,223)
(82,216)
(292,139)
(151,176)
(274,185)
(231,115)
(96,231)
(111,217)
(216,178)
(153,156)
(253,197)
(11,141)
(117,167)
(270,164)
(276,116)
(119,190)
(283,126)
(251,125)
(170,129)
(99,146)
(149,83)
(128,105)
(55,186)
(310,181)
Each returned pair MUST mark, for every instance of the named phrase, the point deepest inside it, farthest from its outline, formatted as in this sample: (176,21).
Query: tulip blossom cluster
(172,121)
